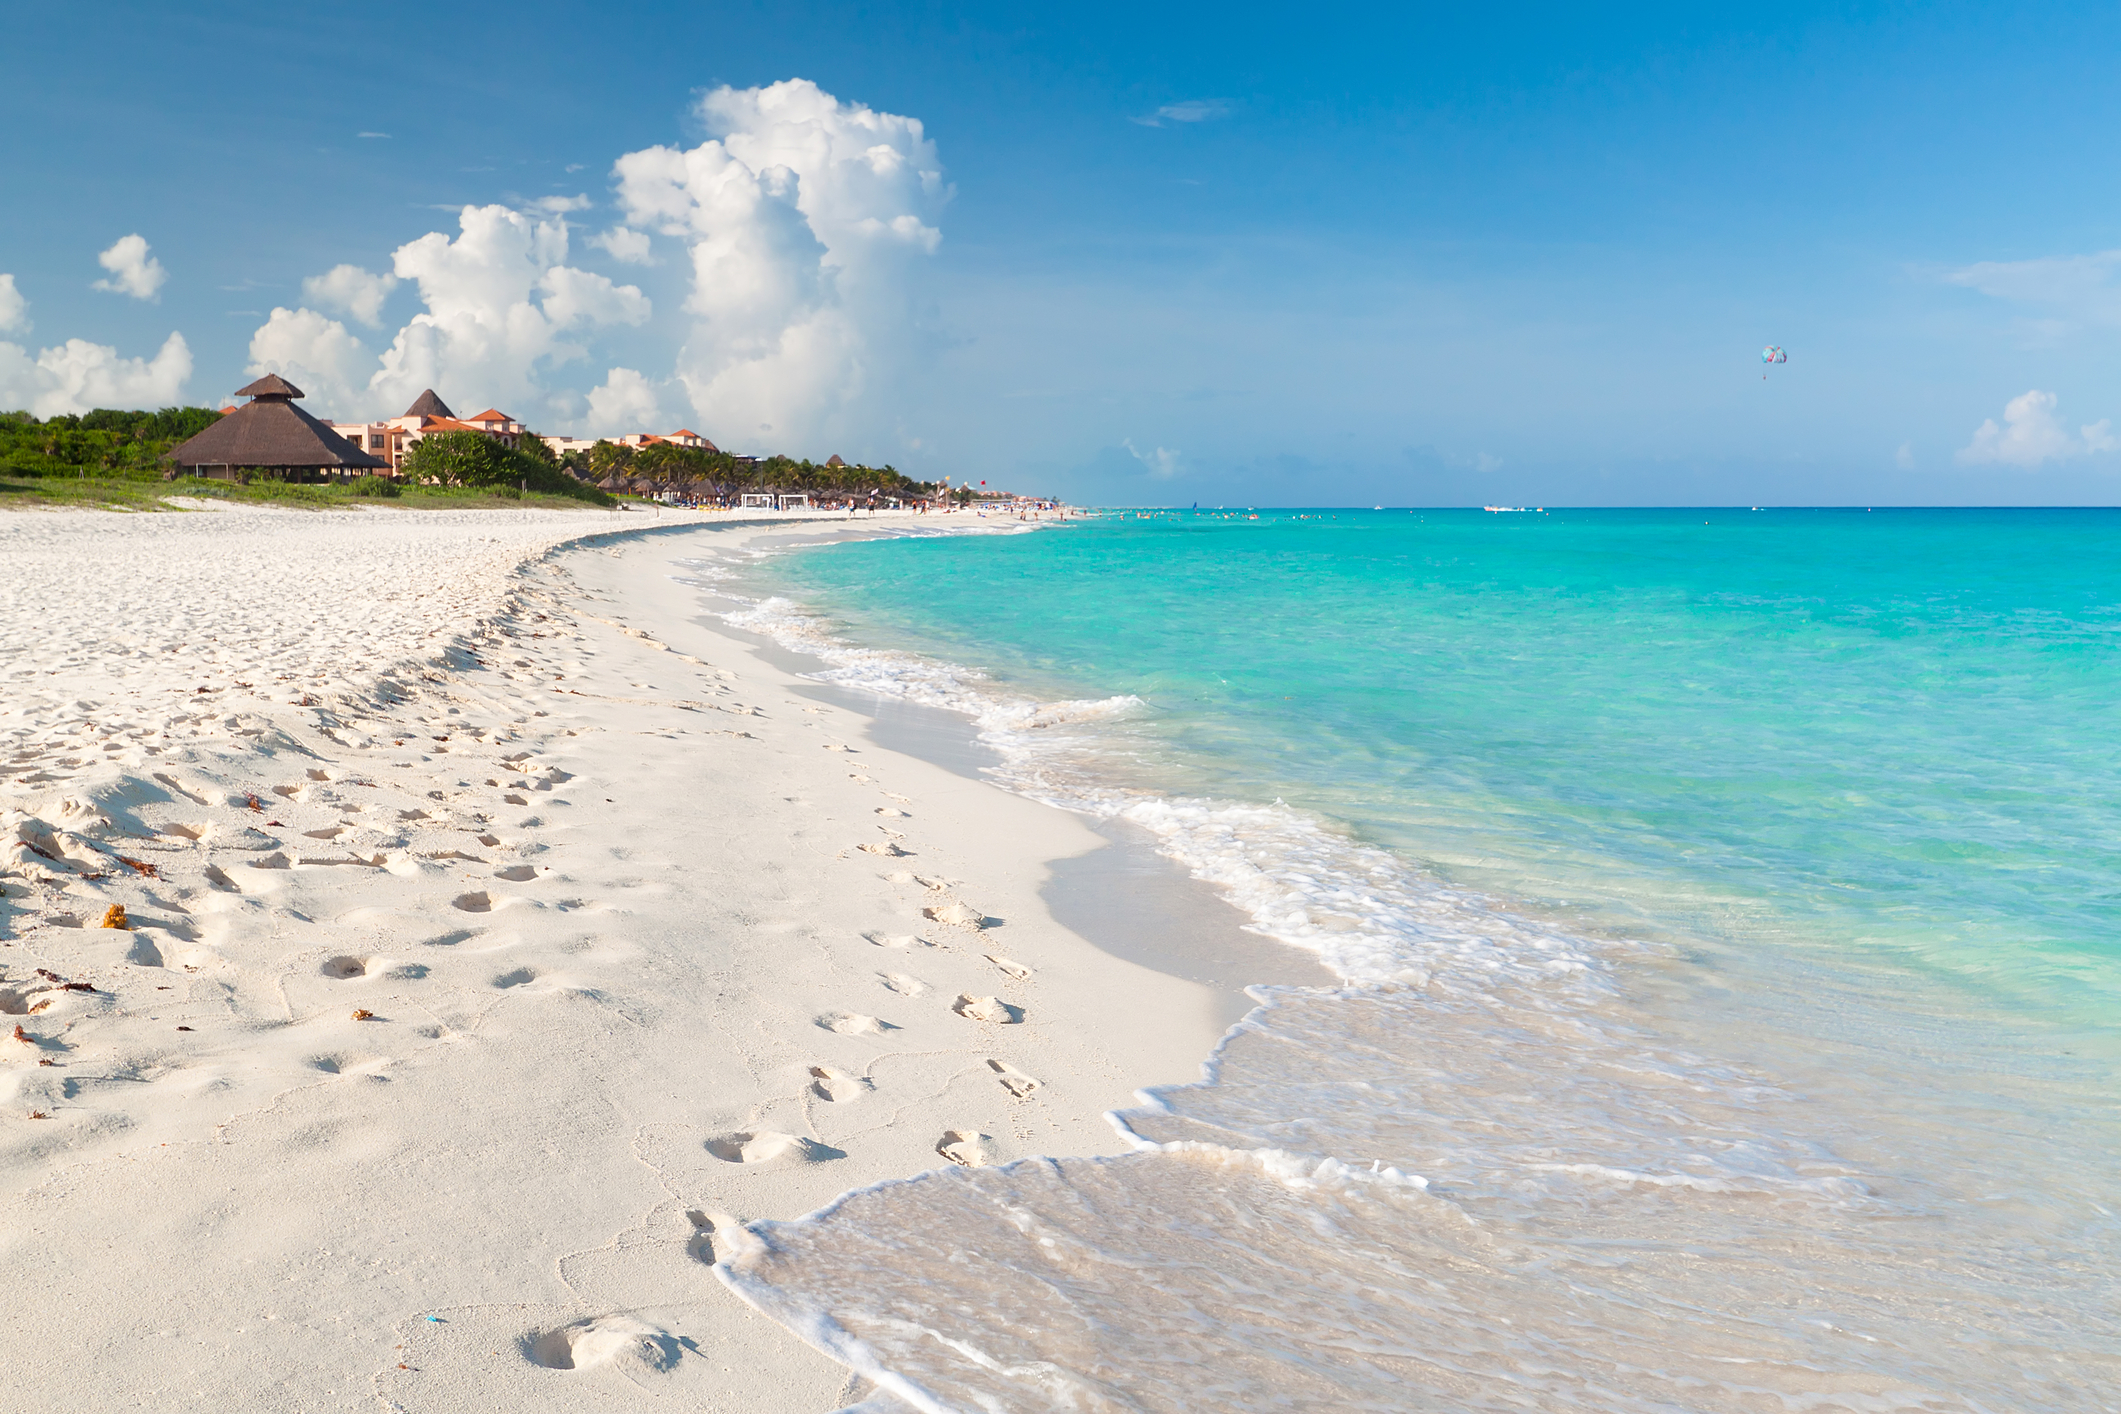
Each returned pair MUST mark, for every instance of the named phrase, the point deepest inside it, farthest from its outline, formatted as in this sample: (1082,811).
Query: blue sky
(1409,255)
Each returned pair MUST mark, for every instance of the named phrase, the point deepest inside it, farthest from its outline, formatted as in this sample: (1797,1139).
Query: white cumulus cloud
(2031,434)
(316,354)
(133,271)
(806,223)
(13,308)
(627,402)
(623,243)
(502,309)
(484,332)
(1162,462)
(77,375)
(351,290)
(806,220)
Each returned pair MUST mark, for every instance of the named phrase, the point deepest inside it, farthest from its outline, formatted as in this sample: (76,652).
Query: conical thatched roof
(426,405)
(272,385)
(272,433)
(834,460)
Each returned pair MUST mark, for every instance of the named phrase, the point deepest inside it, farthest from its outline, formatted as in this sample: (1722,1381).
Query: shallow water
(1728,904)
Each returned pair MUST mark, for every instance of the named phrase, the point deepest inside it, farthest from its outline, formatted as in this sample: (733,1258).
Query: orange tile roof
(491,415)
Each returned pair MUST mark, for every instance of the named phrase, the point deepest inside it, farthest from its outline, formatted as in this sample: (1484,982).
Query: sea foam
(1479,1175)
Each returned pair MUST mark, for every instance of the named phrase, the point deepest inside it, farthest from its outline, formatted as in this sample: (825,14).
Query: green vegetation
(143,494)
(105,442)
(476,461)
(115,458)
(719,476)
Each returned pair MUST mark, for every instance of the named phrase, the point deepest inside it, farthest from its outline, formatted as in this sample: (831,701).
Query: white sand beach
(496,927)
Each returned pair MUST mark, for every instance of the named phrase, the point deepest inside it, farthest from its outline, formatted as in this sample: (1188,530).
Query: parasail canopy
(1773,354)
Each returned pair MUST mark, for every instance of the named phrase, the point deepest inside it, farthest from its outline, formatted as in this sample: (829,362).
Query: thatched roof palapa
(271,433)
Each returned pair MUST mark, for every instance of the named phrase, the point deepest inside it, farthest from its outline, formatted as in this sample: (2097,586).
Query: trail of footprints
(412,782)
(396,816)
(826,1084)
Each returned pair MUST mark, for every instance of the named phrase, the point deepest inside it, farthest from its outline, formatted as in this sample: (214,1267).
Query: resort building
(393,438)
(683,437)
(269,435)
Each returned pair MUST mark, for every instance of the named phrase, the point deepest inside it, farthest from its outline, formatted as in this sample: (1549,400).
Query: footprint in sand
(1015,970)
(964,1146)
(700,1246)
(837,1085)
(891,814)
(957,915)
(1013,1080)
(476,902)
(603,1340)
(851,1023)
(516,978)
(765,1146)
(885,848)
(988,1009)
(897,940)
(516,873)
(346,967)
(902,984)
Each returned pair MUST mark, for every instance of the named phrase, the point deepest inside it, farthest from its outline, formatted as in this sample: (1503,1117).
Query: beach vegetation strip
(119,460)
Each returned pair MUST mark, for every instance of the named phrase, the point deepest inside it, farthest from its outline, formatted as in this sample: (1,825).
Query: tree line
(477,460)
(722,476)
(104,442)
(134,444)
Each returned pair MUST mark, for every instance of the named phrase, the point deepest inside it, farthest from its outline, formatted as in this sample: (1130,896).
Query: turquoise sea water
(1728,904)
(1890,731)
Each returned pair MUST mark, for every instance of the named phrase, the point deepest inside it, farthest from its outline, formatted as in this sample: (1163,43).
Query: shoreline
(1125,897)
(529,970)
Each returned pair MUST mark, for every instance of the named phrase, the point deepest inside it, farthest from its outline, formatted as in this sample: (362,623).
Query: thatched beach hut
(270,435)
